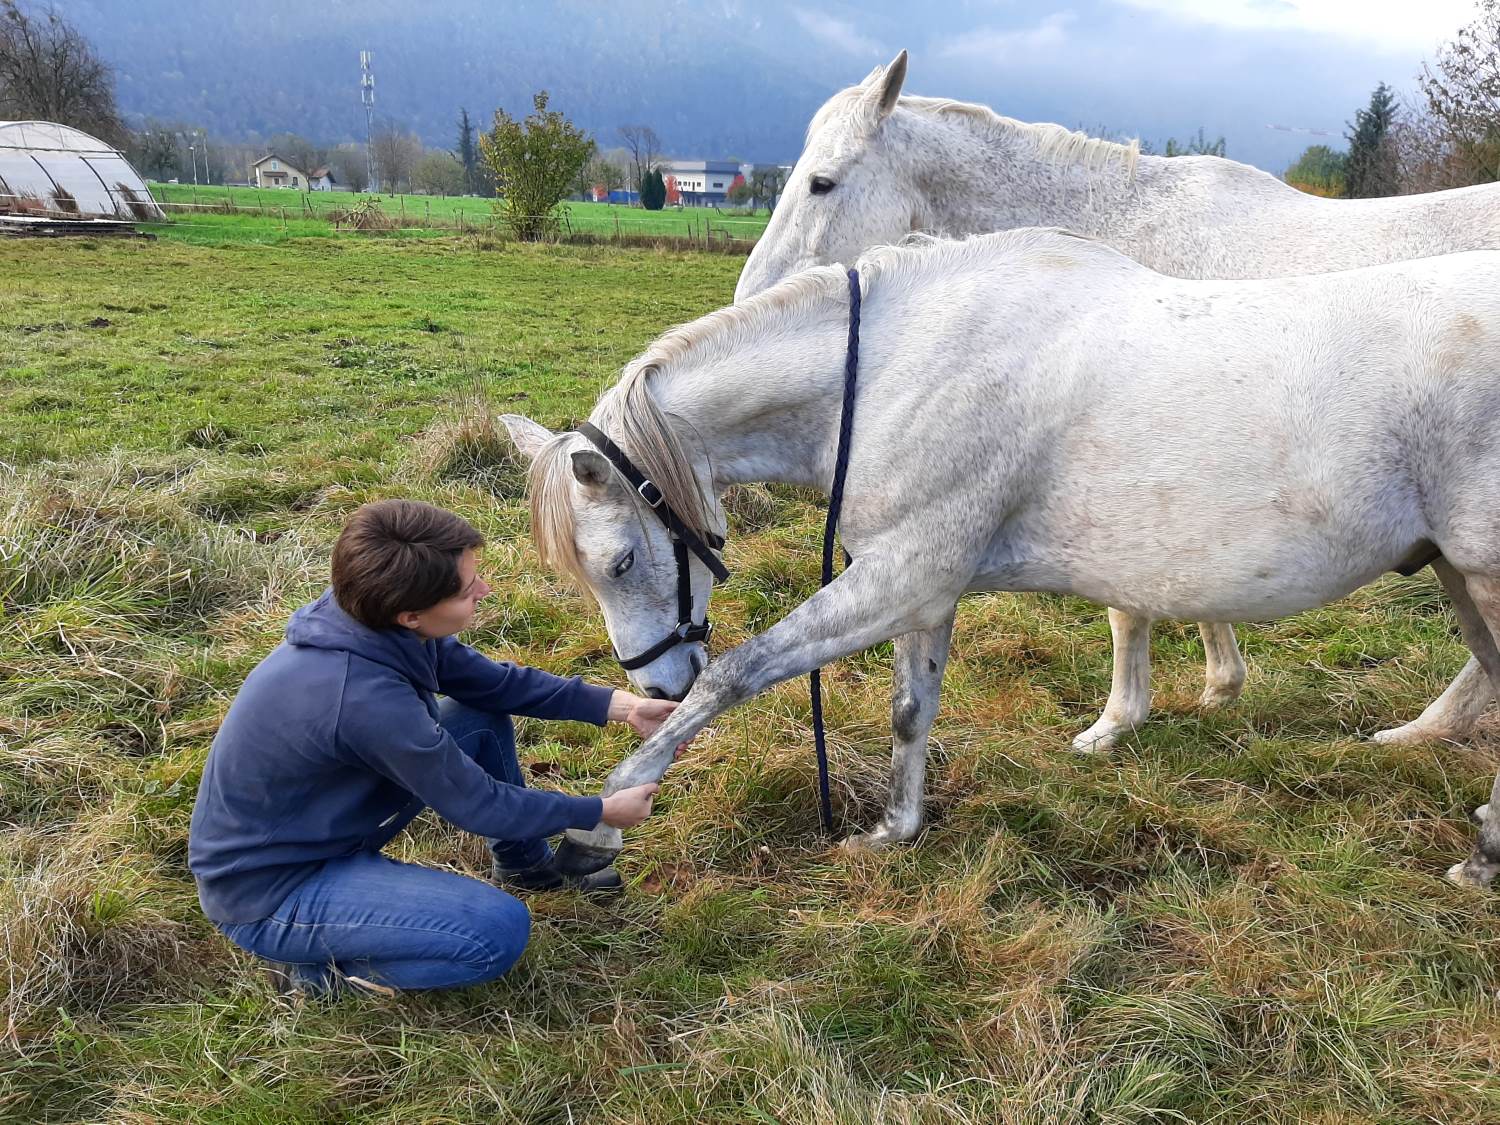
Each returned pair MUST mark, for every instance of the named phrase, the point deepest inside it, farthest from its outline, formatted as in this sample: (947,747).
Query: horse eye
(619,569)
(822,185)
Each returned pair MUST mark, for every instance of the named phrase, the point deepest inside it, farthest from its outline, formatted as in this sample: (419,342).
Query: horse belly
(1237,566)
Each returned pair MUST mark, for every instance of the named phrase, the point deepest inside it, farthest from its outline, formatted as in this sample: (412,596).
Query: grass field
(413,211)
(1235,917)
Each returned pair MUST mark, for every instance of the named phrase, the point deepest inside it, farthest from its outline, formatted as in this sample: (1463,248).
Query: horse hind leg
(1224,677)
(1130,684)
(1476,600)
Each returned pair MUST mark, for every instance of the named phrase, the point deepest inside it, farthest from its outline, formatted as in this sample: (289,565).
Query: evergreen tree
(467,154)
(653,190)
(1370,169)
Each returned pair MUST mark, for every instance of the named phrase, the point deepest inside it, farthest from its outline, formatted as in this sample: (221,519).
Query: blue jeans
(398,924)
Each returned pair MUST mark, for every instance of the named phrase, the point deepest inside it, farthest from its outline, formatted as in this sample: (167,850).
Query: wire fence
(688,227)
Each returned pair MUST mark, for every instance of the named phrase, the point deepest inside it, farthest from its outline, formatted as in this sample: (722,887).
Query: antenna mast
(367,99)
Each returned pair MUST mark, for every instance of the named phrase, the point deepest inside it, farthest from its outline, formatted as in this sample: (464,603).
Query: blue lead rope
(830,528)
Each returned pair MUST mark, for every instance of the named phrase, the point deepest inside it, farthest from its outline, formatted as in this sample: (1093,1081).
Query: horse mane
(1052,142)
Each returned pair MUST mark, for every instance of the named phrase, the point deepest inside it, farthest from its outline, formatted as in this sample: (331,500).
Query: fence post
(402,200)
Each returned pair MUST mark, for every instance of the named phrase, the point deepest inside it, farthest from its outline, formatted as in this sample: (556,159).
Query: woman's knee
(459,719)
(503,929)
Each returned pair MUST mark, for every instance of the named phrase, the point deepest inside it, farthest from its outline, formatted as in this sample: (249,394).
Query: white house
(703,183)
(272,171)
(321,179)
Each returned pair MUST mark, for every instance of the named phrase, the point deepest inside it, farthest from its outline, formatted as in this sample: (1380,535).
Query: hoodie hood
(323,624)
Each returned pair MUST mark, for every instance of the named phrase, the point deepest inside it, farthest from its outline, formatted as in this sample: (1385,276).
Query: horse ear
(529,436)
(592,468)
(888,89)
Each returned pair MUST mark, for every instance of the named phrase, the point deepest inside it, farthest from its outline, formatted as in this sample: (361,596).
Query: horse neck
(976,177)
(766,409)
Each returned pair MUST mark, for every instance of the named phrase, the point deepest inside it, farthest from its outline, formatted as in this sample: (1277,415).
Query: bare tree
(1463,96)
(767,182)
(50,72)
(598,172)
(350,168)
(644,147)
(396,155)
(1425,157)
(439,173)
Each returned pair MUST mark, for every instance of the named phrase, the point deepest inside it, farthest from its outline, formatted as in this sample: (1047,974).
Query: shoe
(300,982)
(297,983)
(544,877)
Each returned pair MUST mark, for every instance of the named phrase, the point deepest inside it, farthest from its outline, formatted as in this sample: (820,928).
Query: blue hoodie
(333,746)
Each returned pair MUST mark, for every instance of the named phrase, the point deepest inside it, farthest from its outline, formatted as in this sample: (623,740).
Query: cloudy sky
(742,77)
(1270,75)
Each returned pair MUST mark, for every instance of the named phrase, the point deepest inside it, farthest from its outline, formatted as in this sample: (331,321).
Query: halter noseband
(684,539)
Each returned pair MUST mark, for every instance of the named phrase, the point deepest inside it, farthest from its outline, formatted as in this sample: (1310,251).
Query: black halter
(684,539)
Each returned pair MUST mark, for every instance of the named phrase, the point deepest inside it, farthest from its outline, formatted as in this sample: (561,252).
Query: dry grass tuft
(467,443)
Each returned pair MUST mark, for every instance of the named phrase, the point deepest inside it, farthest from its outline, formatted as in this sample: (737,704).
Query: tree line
(1446,135)
(49,71)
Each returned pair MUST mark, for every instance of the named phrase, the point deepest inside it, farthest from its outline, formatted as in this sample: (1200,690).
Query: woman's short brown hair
(398,555)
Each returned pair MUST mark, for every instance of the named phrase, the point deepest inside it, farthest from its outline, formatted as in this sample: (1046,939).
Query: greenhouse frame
(55,174)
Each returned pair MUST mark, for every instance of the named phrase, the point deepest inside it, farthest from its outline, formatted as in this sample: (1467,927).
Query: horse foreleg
(868,603)
(1130,684)
(1476,600)
(1224,677)
(918,681)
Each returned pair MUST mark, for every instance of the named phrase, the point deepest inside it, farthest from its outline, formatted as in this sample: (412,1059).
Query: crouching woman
(338,739)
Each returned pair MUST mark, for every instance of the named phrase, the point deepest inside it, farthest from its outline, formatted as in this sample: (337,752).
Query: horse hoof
(1098,739)
(1411,734)
(867,842)
(577,860)
(1468,874)
(1220,695)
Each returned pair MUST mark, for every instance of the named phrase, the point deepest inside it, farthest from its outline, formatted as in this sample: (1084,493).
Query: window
(294,181)
(275,166)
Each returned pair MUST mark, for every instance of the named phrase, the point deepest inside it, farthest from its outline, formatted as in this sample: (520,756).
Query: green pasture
(605,220)
(1237,916)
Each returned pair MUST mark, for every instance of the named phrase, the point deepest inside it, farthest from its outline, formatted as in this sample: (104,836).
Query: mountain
(712,79)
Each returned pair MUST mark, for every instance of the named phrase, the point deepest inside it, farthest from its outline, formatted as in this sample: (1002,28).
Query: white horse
(1038,412)
(877,165)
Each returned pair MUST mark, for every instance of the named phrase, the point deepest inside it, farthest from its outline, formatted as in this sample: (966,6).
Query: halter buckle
(650,494)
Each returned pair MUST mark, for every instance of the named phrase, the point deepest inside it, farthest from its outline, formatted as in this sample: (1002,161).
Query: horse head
(610,535)
(848,190)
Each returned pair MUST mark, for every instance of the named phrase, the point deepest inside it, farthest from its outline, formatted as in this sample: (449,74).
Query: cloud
(836,33)
(1396,25)
(995,44)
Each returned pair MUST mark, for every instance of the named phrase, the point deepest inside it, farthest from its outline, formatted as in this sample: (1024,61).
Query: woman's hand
(645,716)
(629,807)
